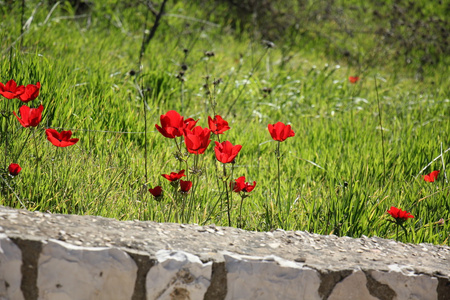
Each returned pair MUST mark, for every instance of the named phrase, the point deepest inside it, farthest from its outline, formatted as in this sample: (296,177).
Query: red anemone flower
(431,177)
(197,140)
(31,92)
(157,192)
(189,123)
(185,186)
(241,186)
(30,116)
(226,152)
(280,131)
(217,125)
(174,176)
(14,169)
(10,90)
(172,124)
(399,215)
(60,139)
(353,79)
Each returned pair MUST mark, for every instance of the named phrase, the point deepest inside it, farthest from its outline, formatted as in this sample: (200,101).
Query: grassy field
(358,148)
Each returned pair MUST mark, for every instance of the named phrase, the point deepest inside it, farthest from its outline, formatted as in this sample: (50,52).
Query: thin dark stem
(146,39)
(381,130)
(21,20)
(240,212)
(396,237)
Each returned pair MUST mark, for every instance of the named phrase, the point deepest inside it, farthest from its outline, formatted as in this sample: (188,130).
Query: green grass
(332,177)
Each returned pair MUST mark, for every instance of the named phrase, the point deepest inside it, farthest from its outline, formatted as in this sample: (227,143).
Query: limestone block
(269,278)
(67,272)
(408,285)
(353,287)
(10,274)
(178,275)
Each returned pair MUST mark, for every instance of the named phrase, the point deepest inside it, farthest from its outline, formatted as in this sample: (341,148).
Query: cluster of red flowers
(432,176)
(31,117)
(196,140)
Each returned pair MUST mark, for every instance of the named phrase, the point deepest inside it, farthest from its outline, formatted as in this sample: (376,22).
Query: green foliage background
(334,177)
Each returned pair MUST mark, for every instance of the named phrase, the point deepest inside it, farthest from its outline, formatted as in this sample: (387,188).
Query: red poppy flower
(353,79)
(197,140)
(226,152)
(431,177)
(174,176)
(157,191)
(241,186)
(399,215)
(217,125)
(14,169)
(172,124)
(280,131)
(189,123)
(185,186)
(31,92)
(60,139)
(10,90)
(30,116)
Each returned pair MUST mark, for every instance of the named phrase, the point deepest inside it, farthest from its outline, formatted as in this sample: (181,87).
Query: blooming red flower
(174,176)
(14,169)
(30,116)
(432,176)
(280,131)
(189,123)
(157,191)
(185,186)
(197,140)
(399,215)
(241,186)
(353,79)
(10,90)
(226,152)
(31,92)
(172,124)
(217,125)
(60,139)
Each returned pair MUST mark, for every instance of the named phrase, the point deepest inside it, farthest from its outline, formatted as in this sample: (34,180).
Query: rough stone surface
(66,271)
(56,253)
(270,278)
(10,264)
(178,275)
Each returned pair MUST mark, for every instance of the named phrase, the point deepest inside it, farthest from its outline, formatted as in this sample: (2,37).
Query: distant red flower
(157,192)
(280,131)
(30,116)
(174,176)
(353,79)
(399,215)
(241,186)
(197,140)
(60,139)
(432,176)
(226,152)
(10,90)
(172,124)
(217,125)
(185,186)
(31,92)
(14,169)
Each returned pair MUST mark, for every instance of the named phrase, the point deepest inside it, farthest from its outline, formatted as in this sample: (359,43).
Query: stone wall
(46,256)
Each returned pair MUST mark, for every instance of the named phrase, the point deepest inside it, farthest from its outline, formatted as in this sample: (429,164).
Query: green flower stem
(228,196)
(279,180)
(240,212)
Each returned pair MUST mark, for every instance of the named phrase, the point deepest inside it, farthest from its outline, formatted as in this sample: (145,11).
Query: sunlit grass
(333,179)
